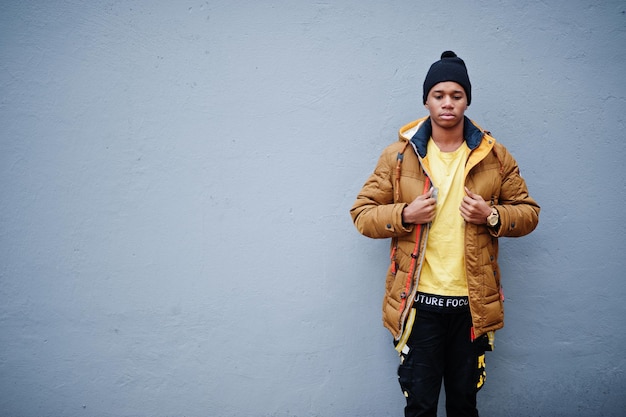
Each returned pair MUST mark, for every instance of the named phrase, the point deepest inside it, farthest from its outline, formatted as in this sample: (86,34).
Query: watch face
(493,218)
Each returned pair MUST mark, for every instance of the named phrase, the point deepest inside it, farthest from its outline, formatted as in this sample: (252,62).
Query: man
(444,194)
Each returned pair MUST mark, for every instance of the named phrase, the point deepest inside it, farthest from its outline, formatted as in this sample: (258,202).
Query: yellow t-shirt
(443,272)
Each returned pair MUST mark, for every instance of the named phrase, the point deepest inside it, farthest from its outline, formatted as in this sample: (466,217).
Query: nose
(447,102)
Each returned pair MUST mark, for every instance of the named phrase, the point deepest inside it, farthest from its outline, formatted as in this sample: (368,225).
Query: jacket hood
(419,132)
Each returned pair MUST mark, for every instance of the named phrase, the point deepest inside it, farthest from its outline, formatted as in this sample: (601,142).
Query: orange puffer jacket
(490,171)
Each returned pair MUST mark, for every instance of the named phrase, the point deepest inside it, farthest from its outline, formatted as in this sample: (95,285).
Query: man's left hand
(474,209)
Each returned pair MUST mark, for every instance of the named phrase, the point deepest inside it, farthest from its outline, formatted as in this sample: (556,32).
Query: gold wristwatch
(494,218)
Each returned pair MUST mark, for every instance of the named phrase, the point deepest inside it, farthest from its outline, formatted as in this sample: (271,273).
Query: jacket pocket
(493,309)
(396,288)
(490,281)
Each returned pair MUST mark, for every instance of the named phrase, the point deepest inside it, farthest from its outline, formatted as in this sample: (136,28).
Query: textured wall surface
(175,184)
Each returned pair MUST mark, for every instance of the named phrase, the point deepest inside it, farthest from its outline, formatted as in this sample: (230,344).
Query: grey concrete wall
(175,185)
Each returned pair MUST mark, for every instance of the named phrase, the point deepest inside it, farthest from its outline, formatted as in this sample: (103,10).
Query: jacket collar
(472,135)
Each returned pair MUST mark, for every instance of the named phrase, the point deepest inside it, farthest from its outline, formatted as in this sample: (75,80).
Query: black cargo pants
(441,348)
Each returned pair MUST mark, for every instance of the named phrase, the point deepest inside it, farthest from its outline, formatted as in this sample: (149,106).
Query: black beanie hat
(449,68)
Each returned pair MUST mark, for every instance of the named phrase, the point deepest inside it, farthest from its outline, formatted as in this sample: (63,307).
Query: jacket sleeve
(519,212)
(374,213)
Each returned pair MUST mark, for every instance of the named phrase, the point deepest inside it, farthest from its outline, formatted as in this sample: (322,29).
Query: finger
(425,197)
(470,193)
(473,196)
(468,202)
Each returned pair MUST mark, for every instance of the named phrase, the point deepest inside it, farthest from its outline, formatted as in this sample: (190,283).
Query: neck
(448,140)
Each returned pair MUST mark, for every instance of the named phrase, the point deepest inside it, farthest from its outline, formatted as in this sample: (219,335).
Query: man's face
(446,103)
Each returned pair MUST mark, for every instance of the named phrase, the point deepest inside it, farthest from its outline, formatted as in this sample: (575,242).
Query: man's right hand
(421,210)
